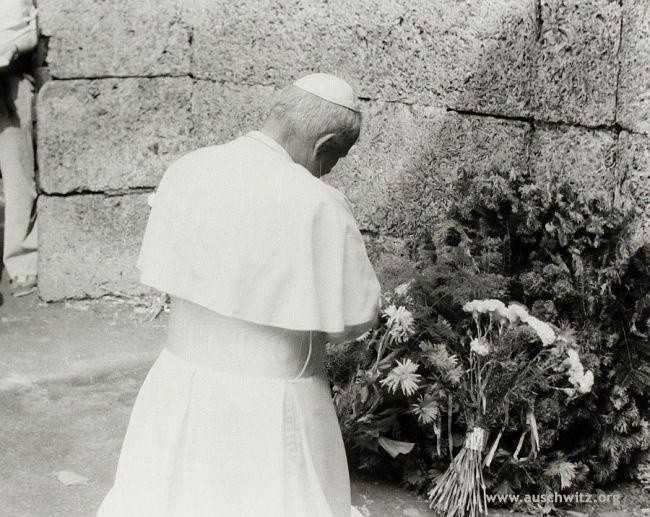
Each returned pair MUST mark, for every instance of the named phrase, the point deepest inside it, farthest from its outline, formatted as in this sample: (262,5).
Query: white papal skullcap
(330,88)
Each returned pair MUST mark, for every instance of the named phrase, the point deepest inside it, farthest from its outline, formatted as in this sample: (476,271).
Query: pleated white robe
(234,419)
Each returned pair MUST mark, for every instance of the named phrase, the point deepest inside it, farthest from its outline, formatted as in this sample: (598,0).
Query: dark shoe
(23,285)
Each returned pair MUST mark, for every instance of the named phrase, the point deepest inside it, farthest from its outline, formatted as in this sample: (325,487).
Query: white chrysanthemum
(426,409)
(390,312)
(543,330)
(479,346)
(403,289)
(403,376)
(363,336)
(401,324)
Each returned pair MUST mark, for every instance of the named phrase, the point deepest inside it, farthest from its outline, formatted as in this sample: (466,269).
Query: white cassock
(262,261)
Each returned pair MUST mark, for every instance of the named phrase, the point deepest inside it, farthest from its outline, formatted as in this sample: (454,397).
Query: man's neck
(293,148)
(276,136)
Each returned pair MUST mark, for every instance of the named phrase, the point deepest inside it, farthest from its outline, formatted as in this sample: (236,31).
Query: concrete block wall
(552,86)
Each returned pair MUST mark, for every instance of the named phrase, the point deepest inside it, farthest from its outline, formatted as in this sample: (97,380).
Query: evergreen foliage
(568,257)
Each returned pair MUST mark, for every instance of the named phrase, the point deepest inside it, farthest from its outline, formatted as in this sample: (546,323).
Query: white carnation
(586,382)
(472,306)
(581,380)
(493,306)
(518,312)
(543,330)
(401,324)
(484,306)
(479,346)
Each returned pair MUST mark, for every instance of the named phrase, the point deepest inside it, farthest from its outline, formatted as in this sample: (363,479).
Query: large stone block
(465,53)
(497,61)
(634,179)
(634,86)
(221,111)
(110,134)
(582,157)
(98,38)
(399,176)
(576,61)
(88,245)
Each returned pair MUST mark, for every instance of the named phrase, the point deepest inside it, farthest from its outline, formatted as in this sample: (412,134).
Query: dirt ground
(69,373)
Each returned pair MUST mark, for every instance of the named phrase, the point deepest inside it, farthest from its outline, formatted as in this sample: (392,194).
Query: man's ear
(323,143)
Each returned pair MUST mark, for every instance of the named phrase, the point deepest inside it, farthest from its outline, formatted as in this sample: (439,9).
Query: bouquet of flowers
(482,374)
(504,368)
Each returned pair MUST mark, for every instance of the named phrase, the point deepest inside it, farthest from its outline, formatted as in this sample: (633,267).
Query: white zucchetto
(330,88)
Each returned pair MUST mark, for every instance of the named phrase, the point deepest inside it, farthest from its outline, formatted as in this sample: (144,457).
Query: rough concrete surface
(498,72)
(633,171)
(399,174)
(74,426)
(576,61)
(88,245)
(68,374)
(423,51)
(221,111)
(377,164)
(110,134)
(42,342)
(634,87)
(584,157)
(556,60)
(96,38)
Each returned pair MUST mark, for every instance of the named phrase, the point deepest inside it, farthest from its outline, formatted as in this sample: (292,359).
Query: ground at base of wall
(69,373)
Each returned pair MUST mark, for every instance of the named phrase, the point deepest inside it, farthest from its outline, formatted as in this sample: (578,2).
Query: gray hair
(308,115)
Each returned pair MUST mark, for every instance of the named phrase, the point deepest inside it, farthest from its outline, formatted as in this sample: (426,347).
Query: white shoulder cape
(242,230)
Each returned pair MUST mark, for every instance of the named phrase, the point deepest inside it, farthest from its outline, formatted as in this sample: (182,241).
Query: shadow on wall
(538,98)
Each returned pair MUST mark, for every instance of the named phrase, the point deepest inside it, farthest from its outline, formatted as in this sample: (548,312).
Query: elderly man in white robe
(264,264)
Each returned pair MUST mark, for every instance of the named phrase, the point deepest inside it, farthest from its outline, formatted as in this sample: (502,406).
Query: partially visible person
(18,36)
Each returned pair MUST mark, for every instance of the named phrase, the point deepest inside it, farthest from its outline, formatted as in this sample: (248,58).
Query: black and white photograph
(325,258)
